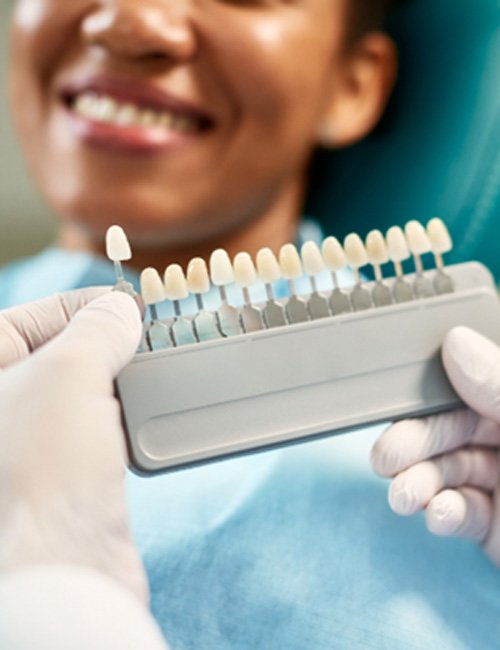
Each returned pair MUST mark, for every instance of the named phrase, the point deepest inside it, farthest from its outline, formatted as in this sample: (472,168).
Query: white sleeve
(61,607)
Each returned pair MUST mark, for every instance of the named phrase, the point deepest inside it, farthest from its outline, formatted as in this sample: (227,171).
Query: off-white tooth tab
(291,266)
(166,120)
(418,241)
(355,251)
(117,246)
(147,117)
(84,103)
(175,283)
(221,269)
(198,280)
(439,235)
(127,114)
(376,247)
(267,266)
(333,254)
(152,289)
(397,245)
(244,270)
(311,258)
(107,109)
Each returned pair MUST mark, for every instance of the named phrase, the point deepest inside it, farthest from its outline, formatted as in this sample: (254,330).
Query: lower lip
(127,139)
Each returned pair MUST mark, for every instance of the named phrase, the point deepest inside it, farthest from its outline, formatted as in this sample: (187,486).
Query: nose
(139,29)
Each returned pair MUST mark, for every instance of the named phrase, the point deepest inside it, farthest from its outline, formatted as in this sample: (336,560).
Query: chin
(145,225)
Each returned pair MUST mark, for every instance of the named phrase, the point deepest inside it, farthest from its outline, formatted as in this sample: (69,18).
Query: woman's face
(176,118)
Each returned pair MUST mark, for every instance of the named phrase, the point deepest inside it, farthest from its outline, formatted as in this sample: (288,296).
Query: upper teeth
(106,109)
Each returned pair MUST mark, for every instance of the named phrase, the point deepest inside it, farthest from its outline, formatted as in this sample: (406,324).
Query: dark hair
(366,15)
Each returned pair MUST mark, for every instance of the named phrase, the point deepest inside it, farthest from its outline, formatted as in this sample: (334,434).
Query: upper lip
(137,92)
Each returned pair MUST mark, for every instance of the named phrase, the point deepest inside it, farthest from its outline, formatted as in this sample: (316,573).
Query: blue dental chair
(437,150)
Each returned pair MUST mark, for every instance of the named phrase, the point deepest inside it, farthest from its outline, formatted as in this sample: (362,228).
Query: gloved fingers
(465,512)
(415,487)
(491,543)
(408,442)
(23,329)
(98,342)
(472,363)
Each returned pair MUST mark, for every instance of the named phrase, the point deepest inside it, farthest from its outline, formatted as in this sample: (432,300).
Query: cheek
(278,67)
(40,28)
(40,31)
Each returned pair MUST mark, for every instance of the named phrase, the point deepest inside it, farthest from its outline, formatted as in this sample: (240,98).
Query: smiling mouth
(103,108)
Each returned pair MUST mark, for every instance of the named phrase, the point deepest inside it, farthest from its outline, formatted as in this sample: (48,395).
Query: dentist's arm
(70,575)
(448,465)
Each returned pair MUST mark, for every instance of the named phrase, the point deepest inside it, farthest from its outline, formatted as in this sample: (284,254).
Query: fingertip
(402,499)
(105,333)
(446,513)
(119,304)
(455,345)
(386,455)
(380,459)
(471,361)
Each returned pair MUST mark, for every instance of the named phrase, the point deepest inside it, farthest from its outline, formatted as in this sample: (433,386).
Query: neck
(273,228)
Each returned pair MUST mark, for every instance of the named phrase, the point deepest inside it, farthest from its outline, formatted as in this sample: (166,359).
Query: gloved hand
(449,464)
(62,497)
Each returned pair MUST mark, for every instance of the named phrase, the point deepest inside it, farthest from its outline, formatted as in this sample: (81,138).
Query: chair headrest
(437,150)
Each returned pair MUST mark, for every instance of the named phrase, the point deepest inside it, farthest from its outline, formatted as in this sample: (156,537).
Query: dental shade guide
(336,260)
(314,264)
(222,274)
(245,276)
(441,243)
(156,334)
(269,271)
(118,250)
(376,249)
(291,269)
(198,283)
(213,396)
(419,244)
(356,258)
(176,290)
(398,251)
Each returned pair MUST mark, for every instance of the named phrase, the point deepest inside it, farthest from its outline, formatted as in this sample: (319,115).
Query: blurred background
(436,152)
(25,222)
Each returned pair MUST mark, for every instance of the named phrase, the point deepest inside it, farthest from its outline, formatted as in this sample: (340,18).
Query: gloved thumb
(99,341)
(472,363)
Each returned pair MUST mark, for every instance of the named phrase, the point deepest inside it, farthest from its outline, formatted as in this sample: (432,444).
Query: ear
(361,87)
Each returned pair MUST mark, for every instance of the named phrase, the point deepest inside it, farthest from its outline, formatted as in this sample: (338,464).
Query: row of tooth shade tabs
(377,250)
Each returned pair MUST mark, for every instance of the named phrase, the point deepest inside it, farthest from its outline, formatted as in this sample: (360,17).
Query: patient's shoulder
(40,275)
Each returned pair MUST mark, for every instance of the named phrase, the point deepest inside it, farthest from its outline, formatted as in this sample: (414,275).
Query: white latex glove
(62,497)
(449,464)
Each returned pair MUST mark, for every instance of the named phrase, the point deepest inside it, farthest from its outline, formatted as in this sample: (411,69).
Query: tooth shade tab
(175,283)
(333,254)
(311,258)
(267,266)
(397,245)
(439,235)
(198,280)
(117,245)
(376,248)
(418,241)
(245,274)
(355,251)
(221,269)
(152,288)
(291,266)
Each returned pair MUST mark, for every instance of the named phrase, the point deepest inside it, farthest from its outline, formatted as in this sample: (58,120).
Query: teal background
(437,151)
